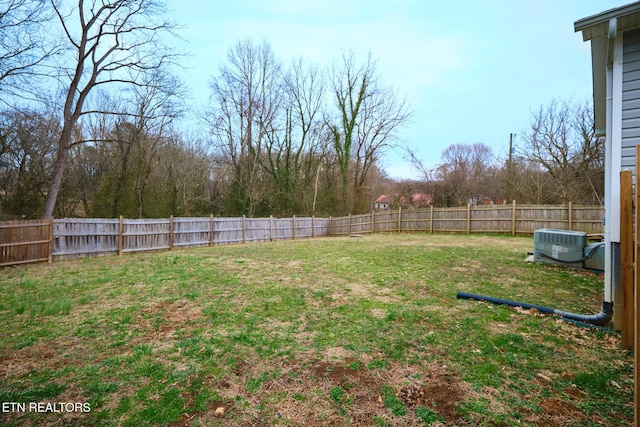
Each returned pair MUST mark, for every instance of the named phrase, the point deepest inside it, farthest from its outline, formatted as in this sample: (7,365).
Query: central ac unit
(559,247)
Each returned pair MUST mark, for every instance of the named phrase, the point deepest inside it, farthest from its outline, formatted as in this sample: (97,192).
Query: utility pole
(509,184)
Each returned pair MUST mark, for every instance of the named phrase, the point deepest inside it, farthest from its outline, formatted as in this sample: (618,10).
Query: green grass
(336,331)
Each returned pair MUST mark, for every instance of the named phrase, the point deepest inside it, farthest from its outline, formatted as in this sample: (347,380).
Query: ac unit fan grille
(558,239)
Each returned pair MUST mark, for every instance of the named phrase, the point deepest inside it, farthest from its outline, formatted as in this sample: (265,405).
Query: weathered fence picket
(84,237)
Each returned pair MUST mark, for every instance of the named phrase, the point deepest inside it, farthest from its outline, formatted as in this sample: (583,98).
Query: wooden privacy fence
(502,219)
(47,240)
(73,238)
(25,241)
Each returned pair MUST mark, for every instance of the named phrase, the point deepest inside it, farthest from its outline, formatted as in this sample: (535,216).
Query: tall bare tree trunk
(58,172)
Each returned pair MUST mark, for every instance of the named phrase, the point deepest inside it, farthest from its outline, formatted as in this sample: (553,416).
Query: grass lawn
(333,331)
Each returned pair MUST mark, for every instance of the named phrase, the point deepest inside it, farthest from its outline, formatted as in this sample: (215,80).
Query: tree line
(558,159)
(93,123)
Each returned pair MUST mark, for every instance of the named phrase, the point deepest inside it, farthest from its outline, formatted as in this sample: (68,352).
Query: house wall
(625,134)
(615,54)
(630,99)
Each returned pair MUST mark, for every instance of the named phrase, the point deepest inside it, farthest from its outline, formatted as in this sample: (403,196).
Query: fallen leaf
(543,376)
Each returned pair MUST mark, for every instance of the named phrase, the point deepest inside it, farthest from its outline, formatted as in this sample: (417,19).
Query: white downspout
(608,273)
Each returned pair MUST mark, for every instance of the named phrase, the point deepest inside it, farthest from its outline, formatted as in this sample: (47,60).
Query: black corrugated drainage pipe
(601,319)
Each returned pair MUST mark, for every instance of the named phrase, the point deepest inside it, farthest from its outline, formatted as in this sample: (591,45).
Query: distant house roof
(421,199)
(416,200)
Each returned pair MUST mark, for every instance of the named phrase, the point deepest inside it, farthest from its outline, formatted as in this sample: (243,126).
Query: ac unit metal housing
(559,247)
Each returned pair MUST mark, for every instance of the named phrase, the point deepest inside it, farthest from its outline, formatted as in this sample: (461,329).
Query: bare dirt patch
(437,388)
(56,354)
(557,413)
(161,321)
(441,391)
(303,393)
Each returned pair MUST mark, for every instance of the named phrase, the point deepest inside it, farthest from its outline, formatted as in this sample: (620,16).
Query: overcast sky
(473,70)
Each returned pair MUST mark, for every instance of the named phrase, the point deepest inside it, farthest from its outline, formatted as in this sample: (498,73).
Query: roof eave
(598,25)
(601,30)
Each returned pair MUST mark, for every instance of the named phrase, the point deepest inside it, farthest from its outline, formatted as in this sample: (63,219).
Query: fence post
(329,231)
(313,226)
(293,231)
(120,235)
(373,221)
(431,220)
(513,219)
(468,218)
(211,230)
(349,224)
(50,257)
(244,229)
(171,233)
(570,215)
(626,255)
(399,219)
(271,228)
(636,302)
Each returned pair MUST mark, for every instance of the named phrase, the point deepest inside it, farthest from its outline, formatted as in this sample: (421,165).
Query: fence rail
(58,239)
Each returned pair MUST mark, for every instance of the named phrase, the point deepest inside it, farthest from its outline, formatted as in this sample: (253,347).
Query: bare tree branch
(24,46)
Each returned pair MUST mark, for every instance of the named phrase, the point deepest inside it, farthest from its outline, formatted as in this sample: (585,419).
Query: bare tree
(369,117)
(384,113)
(529,183)
(88,166)
(467,174)
(454,172)
(133,173)
(27,143)
(294,143)
(350,86)
(185,172)
(562,142)
(114,43)
(133,141)
(157,103)
(23,45)
(246,98)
